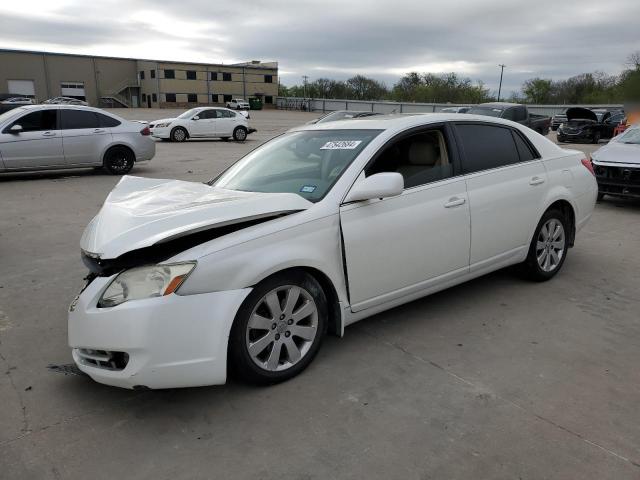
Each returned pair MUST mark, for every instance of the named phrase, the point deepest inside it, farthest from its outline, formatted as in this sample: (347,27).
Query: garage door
(22,87)
(72,89)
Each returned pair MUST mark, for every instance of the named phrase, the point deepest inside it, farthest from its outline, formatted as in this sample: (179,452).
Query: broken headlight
(145,282)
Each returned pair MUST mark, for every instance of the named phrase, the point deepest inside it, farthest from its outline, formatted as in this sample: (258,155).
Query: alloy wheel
(282,328)
(550,245)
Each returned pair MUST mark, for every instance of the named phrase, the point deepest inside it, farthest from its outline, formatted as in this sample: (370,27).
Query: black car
(558,119)
(514,112)
(586,125)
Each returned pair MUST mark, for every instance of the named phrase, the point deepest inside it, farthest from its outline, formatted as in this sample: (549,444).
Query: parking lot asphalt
(496,378)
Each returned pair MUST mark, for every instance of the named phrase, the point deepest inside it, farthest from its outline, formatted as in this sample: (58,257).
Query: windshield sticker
(341,145)
(308,188)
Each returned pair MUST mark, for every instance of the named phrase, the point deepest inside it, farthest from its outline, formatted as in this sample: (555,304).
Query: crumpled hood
(618,152)
(140,212)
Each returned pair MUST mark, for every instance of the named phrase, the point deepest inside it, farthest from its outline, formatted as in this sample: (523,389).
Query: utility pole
(501,72)
(305,79)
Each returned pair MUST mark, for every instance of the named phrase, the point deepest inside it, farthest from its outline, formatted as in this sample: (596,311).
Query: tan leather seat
(422,155)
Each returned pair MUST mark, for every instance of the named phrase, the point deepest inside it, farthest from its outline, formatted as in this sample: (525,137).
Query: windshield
(486,111)
(631,135)
(189,113)
(307,163)
(10,113)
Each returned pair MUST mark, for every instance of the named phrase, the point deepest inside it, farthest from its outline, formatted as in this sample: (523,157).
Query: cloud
(337,39)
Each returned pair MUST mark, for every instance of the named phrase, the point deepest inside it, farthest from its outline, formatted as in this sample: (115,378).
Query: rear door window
(78,119)
(486,147)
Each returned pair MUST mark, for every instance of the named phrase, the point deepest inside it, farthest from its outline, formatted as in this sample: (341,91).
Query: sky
(338,38)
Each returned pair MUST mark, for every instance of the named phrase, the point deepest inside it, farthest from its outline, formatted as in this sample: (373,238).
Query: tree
(537,90)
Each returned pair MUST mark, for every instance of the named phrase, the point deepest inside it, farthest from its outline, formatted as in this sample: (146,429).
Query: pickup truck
(515,112)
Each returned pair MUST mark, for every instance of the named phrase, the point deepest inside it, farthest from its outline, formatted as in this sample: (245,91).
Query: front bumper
(564,136)
(169,342)
(164,132)
(622,181)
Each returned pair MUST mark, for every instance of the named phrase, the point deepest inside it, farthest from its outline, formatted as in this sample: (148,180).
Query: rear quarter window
(486,147)
(107,121)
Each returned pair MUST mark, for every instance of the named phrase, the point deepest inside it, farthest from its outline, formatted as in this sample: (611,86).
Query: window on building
(227,98)
(141,74)
(192,98)
(214,98)
(226,77)
(169,74)
(154,97)
(268,99)
(268,79)
(170,97)
(213,76)
(191,74)
(144,97)
(153,73)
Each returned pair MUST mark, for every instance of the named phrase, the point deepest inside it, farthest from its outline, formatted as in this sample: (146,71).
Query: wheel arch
(117,145)
(333,303)
(183,127)
(569,211)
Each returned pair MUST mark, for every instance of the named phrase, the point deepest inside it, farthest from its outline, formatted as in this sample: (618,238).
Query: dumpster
(255,104)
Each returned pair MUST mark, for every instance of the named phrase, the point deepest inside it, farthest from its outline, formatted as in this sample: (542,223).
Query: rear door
(37,145)
(226,122)
(83,138)
(506,183)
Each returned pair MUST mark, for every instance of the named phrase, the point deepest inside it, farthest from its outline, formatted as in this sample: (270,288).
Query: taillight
(589,166)
(145,131)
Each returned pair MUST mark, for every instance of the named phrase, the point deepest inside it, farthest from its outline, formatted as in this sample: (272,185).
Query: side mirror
(196,118)
(16,128)
(380,185)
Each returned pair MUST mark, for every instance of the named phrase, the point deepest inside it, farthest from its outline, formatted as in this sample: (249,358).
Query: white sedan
(203,122)
(309,233)
(617,165)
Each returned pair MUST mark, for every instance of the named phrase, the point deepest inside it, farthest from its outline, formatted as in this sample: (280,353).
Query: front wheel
(278,329)
(548,249)
(119,160)
(600,196)
(240,134)
(179,134)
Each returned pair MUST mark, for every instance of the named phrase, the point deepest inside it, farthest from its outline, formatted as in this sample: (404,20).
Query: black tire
(224,139)
(240,134)
(596,138)
(600,196)
(531,266)
(119,160)
(179,134)
(240,362)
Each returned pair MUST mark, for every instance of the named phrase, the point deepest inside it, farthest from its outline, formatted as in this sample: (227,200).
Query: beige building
(118,82)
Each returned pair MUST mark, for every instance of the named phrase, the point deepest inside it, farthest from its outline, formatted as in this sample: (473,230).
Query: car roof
(400,121)
(498,105)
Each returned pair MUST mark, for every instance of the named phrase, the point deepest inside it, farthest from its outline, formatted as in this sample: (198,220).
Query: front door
(37,145)
(205,125)
(401,245)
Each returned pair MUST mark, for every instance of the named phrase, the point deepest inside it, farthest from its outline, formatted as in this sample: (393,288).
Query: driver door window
(420,159)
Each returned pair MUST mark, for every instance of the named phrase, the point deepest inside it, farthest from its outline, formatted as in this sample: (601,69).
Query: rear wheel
(278,329)
(119,160)
(240,134)
(548,249)
(179,134)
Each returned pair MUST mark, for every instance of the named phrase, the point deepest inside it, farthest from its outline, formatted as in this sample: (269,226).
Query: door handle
(99,130)
(454,202)
(49,134)
(536,181)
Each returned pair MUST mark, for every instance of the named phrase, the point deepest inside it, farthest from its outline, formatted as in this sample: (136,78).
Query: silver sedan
(46,137)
